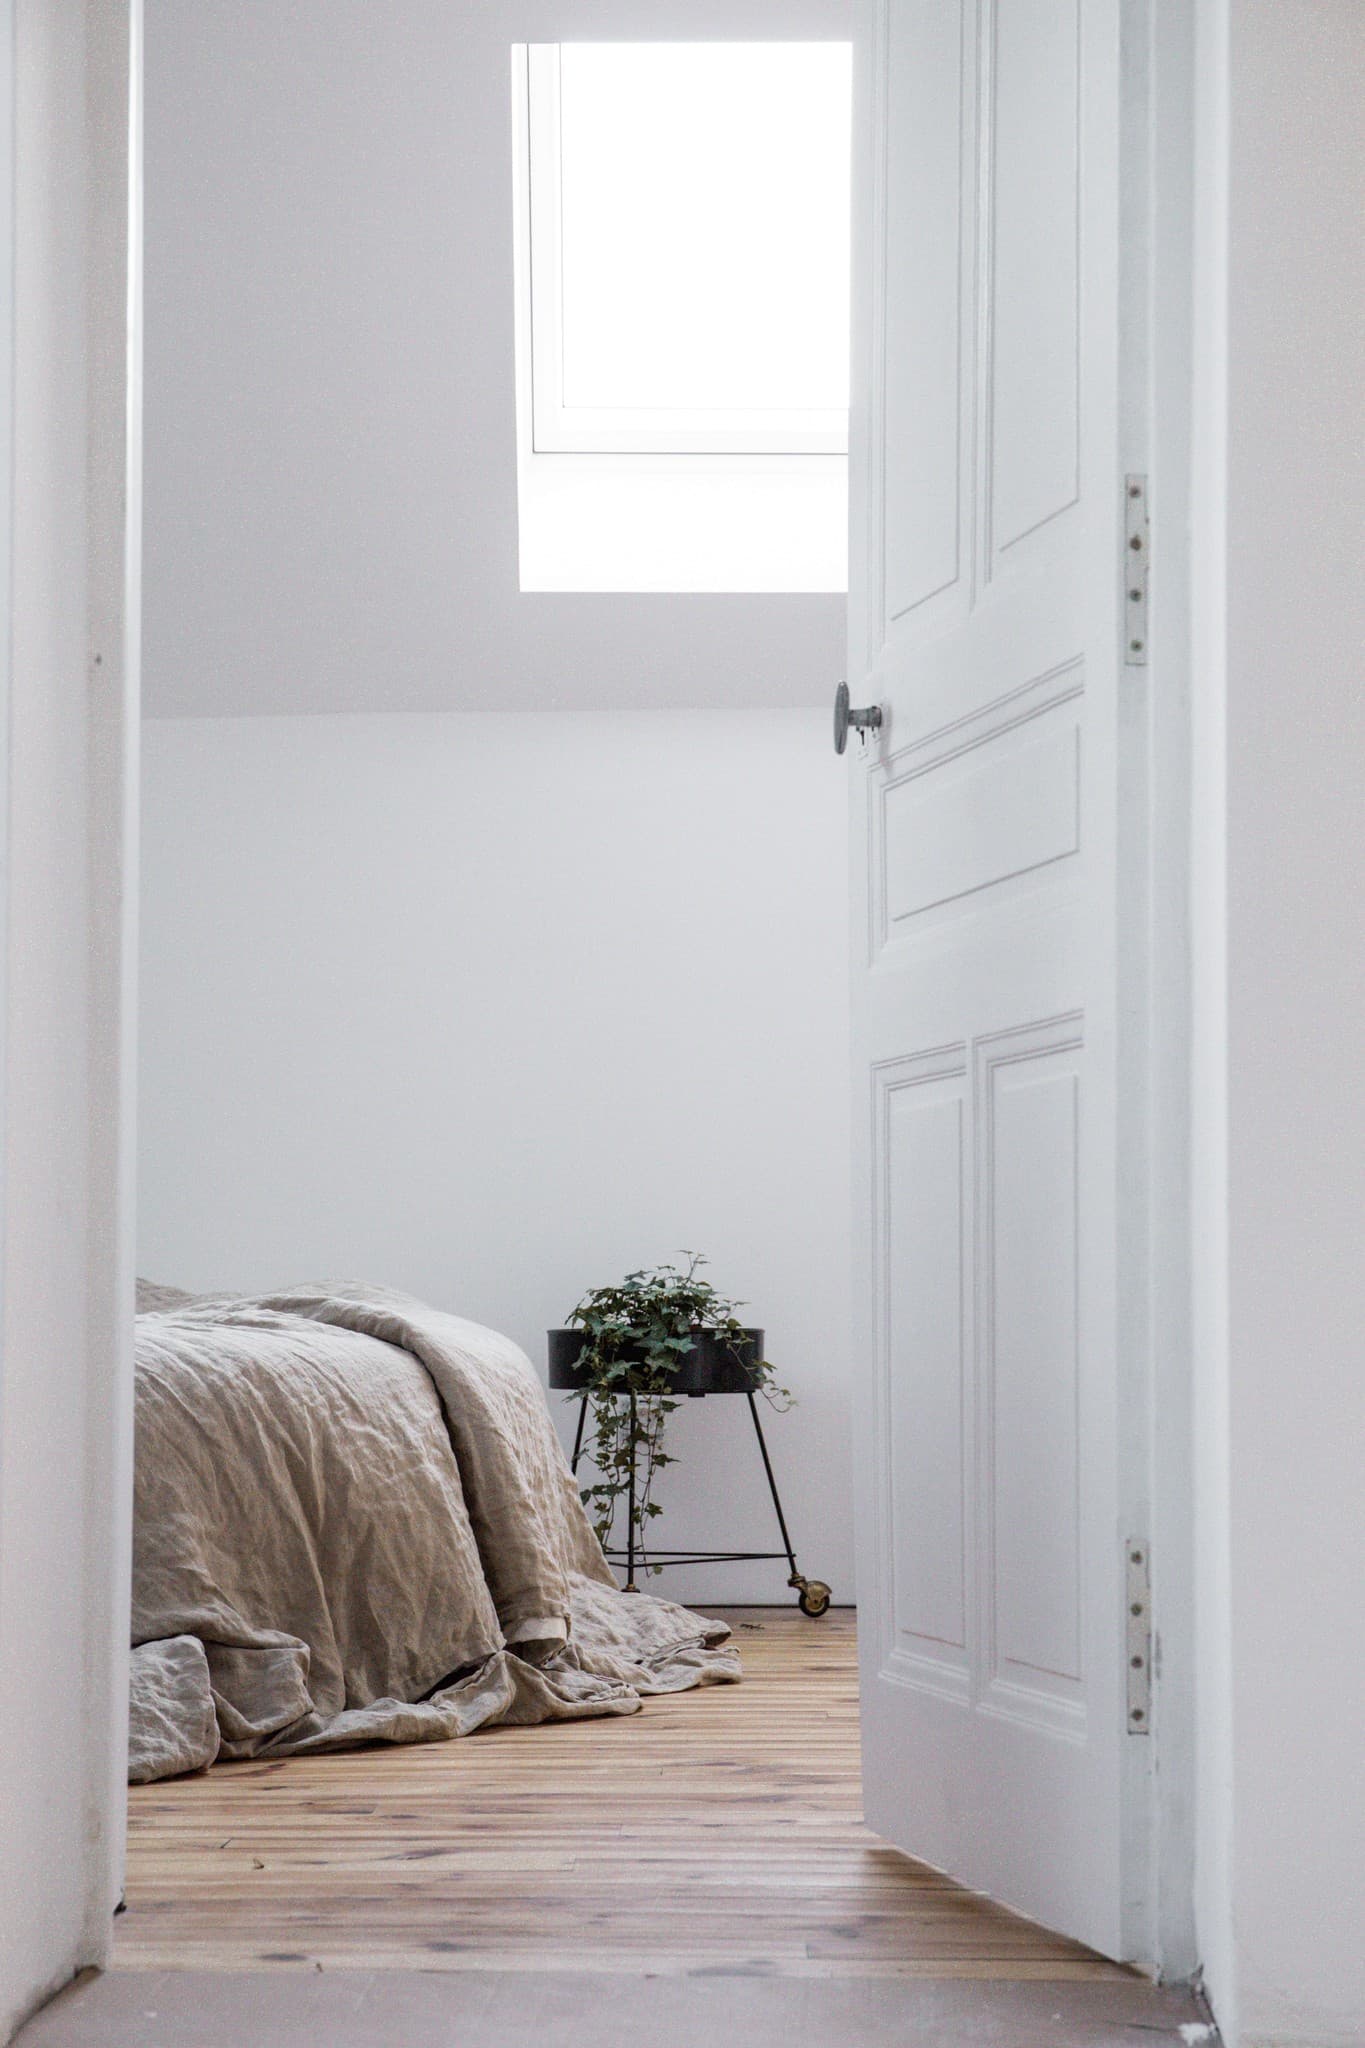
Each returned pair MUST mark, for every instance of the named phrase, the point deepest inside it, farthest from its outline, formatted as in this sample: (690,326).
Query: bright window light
(689,241)
(683,293)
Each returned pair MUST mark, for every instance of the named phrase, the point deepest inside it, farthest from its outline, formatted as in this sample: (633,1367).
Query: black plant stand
(712,1367)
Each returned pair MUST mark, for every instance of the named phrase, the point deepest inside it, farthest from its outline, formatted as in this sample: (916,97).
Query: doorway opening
(463,859)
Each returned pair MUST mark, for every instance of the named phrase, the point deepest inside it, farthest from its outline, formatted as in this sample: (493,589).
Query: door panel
(923,313)
(923,1134)
(985,618)
(1033,309)
(992,813)
(1030,1098)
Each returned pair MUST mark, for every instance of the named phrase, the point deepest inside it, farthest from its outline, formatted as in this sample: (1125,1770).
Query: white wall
(64,1387)
(494,1008)
(1296,1012)
(331,443)
(1279,954)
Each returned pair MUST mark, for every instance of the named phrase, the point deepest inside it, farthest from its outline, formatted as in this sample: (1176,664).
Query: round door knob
(868,719)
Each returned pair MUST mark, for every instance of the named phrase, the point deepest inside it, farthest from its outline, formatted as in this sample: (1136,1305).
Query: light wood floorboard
(717,1830)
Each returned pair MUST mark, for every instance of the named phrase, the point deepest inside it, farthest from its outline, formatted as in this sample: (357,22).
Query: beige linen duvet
(353,1522)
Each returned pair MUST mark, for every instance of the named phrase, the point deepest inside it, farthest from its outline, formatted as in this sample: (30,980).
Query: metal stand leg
(812,1594)
(772,1488)
(630,1585)
(578,1436)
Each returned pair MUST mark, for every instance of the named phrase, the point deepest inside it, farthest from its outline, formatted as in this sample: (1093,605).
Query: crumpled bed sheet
(354,1522)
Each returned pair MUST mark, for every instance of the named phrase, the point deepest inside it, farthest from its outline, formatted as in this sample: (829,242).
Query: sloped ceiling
(330,448)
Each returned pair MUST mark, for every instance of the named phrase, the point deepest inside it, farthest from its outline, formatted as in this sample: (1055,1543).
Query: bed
(354,1522)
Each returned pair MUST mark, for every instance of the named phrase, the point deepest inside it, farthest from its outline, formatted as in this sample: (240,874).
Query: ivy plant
(636,1334)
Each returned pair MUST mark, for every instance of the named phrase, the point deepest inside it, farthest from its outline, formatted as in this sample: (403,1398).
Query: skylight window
(682,333)
(689,246)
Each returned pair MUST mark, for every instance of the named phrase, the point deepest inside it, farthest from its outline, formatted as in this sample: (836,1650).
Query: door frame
(71,75)
(1163,58)
(1160,43)
(114,89)
(1162,39)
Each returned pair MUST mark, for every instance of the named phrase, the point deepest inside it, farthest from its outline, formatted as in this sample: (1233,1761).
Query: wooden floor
(715,1830)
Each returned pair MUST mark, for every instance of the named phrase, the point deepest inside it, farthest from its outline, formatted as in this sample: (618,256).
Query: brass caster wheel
(814,1598)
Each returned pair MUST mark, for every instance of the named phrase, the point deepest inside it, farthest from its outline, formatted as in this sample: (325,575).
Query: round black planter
(716,1364)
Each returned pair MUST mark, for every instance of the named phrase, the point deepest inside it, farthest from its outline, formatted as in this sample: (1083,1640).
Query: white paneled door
(988,622)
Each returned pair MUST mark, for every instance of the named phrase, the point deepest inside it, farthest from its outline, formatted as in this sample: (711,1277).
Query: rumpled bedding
(354,1522)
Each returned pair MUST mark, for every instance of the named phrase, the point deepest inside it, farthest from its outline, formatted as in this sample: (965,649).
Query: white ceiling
(330,453)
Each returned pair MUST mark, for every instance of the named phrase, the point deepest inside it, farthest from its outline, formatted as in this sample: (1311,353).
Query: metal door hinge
(1137,546)
(1139,1636)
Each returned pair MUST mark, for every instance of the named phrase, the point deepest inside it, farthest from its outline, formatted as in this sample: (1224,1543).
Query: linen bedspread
(354,1522)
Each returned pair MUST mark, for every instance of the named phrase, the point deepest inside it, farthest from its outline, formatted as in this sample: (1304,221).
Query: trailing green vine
(636,1336)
